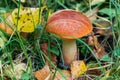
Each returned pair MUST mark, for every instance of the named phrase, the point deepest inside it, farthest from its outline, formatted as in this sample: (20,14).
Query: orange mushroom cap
(69,24)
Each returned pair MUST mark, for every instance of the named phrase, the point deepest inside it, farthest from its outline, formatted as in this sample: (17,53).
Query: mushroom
(69,25)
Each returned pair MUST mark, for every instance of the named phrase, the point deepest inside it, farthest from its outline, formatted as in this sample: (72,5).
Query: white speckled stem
(69,48)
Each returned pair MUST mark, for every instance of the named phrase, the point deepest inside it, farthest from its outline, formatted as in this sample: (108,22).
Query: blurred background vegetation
(104,15)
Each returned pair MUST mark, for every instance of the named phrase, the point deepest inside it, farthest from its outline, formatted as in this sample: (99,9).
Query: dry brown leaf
(6,15)
(43,73)
(97,48)
(84,78)
(16,71)
(94,2)
(23,1)
(100,31)
(77,68)
(44,48)
(96,72)
(67,74)
(46,74)
(7,27)
(58,76)
(92,14)
(103,25)
(54,59)
(99,52)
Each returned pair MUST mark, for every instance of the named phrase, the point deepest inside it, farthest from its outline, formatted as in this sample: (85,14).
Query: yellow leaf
(77,68)
(27,19)
(107,74)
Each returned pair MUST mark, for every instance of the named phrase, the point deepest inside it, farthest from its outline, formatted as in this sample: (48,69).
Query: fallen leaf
(6,14)
(44,48)
(58,76)
(46,74)
(84,78)
(23,1)
(43,74)
(93,70)
(100,31)
(6,25)
(16,71)
(103,26)
(67,74)
(100,52)
(77,69)
(94,2)
(107,74)
(96,72)
(97,48)
(92,14)
(27,19)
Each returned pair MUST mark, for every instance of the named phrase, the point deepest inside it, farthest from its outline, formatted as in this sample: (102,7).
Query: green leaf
(108,11)
(25,76)
(106,58)
(116,52)
(54,50)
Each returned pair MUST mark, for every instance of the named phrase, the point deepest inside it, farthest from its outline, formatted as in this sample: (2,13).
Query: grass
(15,50)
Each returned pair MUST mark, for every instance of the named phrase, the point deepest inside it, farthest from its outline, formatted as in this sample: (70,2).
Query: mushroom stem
(69,48)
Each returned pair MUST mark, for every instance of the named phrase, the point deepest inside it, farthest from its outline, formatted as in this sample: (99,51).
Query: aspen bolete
(69,25)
